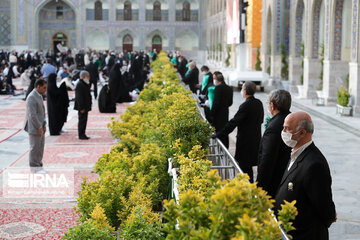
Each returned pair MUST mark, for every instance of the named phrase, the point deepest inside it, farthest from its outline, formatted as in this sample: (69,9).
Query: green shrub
(139,228)
(343,97)
(258,61)
(88,231)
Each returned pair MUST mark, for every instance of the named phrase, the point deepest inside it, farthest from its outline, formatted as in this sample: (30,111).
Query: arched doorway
(127,43)
(157,43)
(59,38)
(55,17)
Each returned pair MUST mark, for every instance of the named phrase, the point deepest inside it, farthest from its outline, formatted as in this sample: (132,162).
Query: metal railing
(225,162)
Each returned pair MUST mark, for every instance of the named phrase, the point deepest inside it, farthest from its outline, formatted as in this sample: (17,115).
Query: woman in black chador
(57,105)
(118,90)
(106,105)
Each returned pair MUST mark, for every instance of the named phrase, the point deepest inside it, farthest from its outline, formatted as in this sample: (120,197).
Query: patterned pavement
(39,218)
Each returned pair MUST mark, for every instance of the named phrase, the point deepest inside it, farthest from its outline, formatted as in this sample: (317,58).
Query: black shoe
(84,137)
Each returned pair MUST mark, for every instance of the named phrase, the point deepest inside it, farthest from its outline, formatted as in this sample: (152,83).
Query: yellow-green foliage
(133,176)
(235,210)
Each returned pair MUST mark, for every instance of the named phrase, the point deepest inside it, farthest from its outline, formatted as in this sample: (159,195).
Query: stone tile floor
(33,218)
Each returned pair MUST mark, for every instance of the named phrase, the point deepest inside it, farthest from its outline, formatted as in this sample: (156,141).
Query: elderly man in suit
(307,180)
(83,103)
(274,155)
(35,125)
(248,120)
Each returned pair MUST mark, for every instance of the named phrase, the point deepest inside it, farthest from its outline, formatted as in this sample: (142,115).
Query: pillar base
(334,76)
(312,70)
(354,86)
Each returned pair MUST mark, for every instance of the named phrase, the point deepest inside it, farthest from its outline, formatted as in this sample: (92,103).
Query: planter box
(301,91)
(320,99)
(343,111)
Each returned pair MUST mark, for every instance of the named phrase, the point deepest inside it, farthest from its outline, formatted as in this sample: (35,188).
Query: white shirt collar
(296,154)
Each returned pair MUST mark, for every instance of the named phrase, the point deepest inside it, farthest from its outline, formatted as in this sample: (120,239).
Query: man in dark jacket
(192,77)
(94,75)
(274,155)
(307,180)
(83,102)
(223,99)
(248,120)
(181,66)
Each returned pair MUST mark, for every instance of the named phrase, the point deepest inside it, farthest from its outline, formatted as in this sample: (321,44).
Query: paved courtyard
(36,218)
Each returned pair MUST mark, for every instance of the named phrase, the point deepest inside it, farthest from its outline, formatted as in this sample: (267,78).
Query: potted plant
(343,97)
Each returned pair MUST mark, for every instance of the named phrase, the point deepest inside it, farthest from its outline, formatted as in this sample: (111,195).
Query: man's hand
(82,111)
(44,129)
(40,132)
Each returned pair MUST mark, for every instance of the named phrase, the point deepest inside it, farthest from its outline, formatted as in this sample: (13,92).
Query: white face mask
(287,138)
(215,83)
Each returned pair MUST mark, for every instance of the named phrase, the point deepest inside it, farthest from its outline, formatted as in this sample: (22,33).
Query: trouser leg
(82,123)
(36,153)
(95,90)
(248,170)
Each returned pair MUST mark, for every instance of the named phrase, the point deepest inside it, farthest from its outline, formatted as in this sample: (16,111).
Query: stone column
(295,69)
(354,72)
(112,19)
(275,68)
(172,11)
(142,10)
(312,69)
(335,71)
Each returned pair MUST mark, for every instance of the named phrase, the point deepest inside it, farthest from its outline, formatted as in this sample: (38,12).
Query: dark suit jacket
(248,121)
(223,99)
(93,71)
(274,155)
(192,79)
(311,188)
(82,96)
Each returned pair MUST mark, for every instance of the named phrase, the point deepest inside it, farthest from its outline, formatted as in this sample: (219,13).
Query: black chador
(57,105)
(106,105)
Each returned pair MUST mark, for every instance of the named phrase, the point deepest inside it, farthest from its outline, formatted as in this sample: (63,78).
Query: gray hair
(249,87)
(83,74)
(307,125)
(281,100)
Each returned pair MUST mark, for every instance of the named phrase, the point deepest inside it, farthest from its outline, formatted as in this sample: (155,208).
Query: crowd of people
(290,166)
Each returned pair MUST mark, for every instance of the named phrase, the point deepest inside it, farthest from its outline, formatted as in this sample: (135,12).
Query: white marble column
(354,66)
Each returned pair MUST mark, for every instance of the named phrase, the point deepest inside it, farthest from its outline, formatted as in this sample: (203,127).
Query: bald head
(301,127)
(301,120)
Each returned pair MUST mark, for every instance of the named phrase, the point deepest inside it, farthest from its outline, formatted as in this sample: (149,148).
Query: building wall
(33,25)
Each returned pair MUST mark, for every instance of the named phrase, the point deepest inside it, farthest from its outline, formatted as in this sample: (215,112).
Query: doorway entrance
(157,43)
(59,38)
(127,43)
